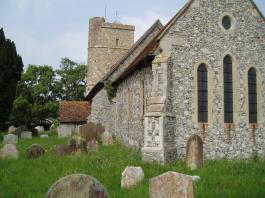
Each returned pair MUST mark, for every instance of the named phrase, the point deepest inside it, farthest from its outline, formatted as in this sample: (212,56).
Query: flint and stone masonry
(155,109)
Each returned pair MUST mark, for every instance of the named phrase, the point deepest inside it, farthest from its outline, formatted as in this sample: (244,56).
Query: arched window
(252,95)
(202,78)
(228,90)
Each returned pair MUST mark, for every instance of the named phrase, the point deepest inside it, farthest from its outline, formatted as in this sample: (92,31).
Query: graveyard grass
(32,178)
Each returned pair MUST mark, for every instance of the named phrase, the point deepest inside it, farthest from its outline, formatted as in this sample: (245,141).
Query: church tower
(107,43)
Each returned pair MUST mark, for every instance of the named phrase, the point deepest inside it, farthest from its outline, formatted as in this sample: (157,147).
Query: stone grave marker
(35,151)
(10,139)
(77,186)
(194,155)
(106,138)
(12,130)
(171,184)
(44,136)
(39,128)
(131,176)
(26,135)
(9,151)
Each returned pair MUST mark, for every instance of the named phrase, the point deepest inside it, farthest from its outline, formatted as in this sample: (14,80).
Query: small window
(117,42)
(202,77)
(226,21)
(252,96)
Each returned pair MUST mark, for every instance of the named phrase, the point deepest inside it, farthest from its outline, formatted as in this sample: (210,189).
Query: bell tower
(107,43)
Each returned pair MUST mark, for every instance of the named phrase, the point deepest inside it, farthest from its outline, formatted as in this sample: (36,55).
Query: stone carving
(10,139)
(131,176)
(26,135)
(9,151)
(35,151)
(171,184)
(194,156)
(77,185)
(12,130)
(153,132)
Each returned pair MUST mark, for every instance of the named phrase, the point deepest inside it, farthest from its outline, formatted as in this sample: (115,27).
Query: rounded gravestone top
(77,186)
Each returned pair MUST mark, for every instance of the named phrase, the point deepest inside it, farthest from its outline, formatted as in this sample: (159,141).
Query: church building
(201,76)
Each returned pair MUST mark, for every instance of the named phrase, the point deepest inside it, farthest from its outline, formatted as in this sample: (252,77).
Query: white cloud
(143,23)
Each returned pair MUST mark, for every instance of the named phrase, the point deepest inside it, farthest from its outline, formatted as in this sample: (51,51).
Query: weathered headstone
(9,151)
(64,131)
(20,129)
(91,131)
(12,130)
(194,155)
(10,139)
(39,128)
(171,184)
(131,176)
(44,136)
(35,151)
(60,150)
(77,186)
(92,145)
(106,138)
(26,135)
(53,128)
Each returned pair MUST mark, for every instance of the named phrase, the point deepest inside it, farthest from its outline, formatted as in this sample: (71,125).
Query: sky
(45,31)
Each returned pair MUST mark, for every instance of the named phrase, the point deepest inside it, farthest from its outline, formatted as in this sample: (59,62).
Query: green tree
(36,91)
(11,67)
(72,80)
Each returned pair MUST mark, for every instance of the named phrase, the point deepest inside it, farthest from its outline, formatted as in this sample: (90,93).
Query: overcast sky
(47,30)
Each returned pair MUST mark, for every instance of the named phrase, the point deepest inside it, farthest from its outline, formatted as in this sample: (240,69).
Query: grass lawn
(32,178)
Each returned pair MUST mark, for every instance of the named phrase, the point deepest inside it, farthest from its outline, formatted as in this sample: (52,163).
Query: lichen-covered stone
(9,151)
(35,151)
(10,139)
(131,176)
(171,184)
(77,186)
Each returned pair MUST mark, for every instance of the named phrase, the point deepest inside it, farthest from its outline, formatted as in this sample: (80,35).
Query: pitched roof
(74,111)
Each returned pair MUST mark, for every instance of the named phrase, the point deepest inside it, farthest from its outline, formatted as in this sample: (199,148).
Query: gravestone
(12,130)
(77,186)
(44,136)
(35,151)
(131,176)
(171,184)
(194,155)
(9,151)
(61,150)
(106,138)
(26,135)
(92,145)
(10,139)
(40,128)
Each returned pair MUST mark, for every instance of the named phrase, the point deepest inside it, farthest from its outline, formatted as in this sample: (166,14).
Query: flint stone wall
(198,37)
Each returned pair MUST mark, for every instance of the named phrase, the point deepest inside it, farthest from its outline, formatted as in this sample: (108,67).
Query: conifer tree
(11,67)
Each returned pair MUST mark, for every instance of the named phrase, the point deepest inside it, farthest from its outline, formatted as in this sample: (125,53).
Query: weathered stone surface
(10,139)
(61,150)
(131,176)
(106,138)
(35,151)
(12,130)
(194,156)
(20,129)
(40,128)
(77,144)
(64,131)
(77,186)
(92,145)
(9,151)
(171,184)
(26,135)
(91,131)
(54,128)
(44,136)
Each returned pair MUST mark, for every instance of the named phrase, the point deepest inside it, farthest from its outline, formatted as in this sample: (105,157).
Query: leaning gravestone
(106,138)
(9,151)
(35,151)
(26,135)
(194,155)
(171,184)
(10,139)
(77,186)
(131,176)
(12,130)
